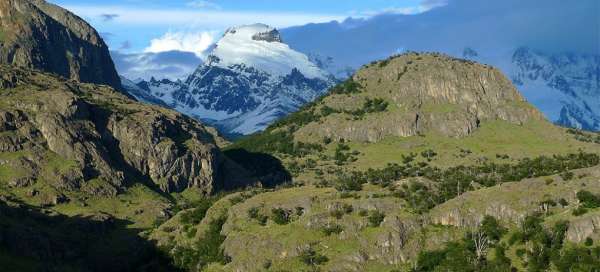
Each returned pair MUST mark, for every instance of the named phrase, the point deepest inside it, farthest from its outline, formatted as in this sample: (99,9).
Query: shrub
(262,220)
(237,199)
(589,242)
(580,211)
(253,212)
(567,175)
(209,247)
(312,258)
(299,211)
(588,200)
(428,154)
(338,214)
(196,214)
(347,87)
(205,251)
(406,159)
(492,229)
(326,111)
(348,208)
(563,202)
(341,155)
(348,183)
(376,218)
(280,216)
(374,105)
(332,229)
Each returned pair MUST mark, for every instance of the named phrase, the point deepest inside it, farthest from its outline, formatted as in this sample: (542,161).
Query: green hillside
(403,168)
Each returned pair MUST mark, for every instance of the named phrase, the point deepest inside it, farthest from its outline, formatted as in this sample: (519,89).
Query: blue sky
(155,26)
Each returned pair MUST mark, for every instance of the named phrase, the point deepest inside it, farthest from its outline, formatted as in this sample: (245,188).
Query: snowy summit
(251,78)
(260,46)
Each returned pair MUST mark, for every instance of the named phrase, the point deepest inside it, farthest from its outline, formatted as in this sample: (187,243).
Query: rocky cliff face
(39,35)
(414,94)
(90,138)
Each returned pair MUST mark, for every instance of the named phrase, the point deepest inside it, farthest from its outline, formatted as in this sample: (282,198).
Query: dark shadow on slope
(268,170)
(32,240)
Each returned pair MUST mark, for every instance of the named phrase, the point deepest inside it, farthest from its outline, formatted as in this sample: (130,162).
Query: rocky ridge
(418,94)
(91,138)
(39,35)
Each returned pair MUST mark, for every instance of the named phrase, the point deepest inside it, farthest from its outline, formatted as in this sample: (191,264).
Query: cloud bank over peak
(195,42)
(173,65)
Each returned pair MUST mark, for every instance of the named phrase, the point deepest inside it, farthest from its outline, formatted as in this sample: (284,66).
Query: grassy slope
(529,140)
(278,244)
(252,245)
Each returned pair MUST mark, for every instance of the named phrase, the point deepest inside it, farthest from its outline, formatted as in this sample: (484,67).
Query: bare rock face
(269,36)
(91,138)
(36,34)
(586,226)
(424,94)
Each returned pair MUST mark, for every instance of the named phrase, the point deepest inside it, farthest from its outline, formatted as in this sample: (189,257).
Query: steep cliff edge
(36,34)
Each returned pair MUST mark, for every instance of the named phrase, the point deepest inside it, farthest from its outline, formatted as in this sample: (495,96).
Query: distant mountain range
(250,79)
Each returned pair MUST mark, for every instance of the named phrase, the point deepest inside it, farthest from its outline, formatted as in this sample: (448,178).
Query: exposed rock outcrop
(39,35)
(91,138)
(587,226)
(424,94)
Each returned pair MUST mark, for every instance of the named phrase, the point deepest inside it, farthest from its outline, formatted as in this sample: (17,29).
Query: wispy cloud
(203,4)
(108,17)
(107,35)
(125,45)
(423,6)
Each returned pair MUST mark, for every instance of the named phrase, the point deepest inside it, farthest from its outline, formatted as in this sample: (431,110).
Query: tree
(481,242)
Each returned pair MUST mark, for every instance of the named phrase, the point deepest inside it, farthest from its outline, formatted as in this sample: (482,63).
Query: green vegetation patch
(57,164)
(454,181)
(537,249)
(205,251)
(347,87)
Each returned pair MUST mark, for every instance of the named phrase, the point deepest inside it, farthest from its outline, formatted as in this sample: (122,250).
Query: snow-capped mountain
(573,80)
(250,79)
(564,86)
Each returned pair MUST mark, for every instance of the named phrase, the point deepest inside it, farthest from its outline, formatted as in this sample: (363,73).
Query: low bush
(375,218)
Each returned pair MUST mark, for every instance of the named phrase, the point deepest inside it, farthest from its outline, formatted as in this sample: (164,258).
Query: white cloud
(203,4)
(195,42)
(172,64)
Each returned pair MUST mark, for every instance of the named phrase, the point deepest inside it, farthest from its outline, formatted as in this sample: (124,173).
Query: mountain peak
(255,32)
(260,47)
(250,79)
(40,35)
